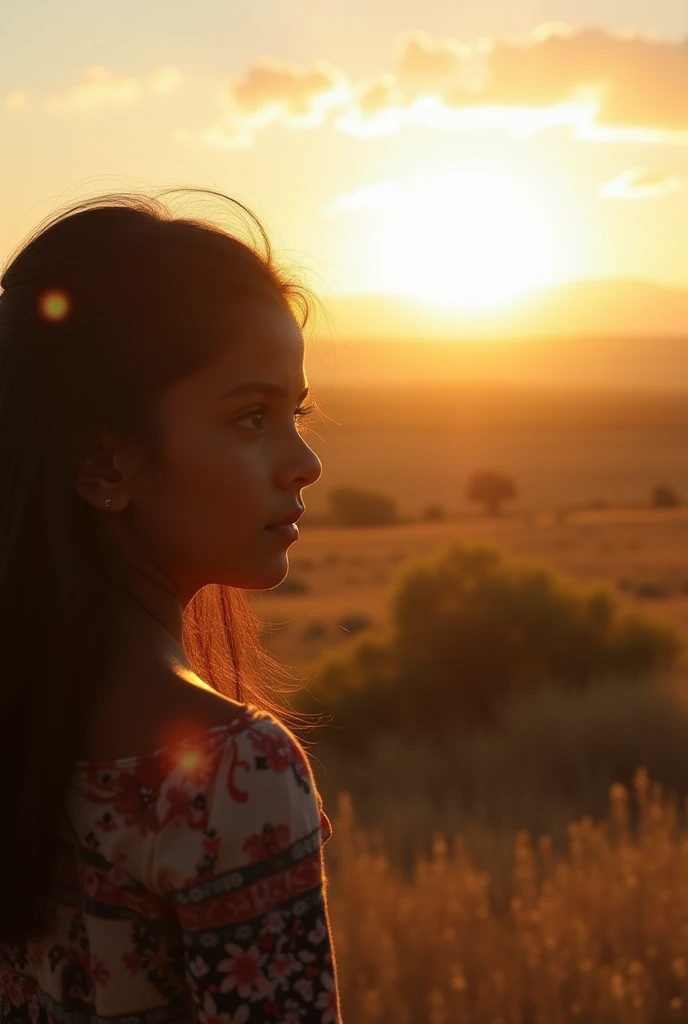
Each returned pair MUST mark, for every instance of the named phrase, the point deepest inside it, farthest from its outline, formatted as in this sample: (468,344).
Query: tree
(490,489)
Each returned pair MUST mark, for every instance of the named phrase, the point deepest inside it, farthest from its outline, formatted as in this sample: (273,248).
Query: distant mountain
(605,333)
(602,306)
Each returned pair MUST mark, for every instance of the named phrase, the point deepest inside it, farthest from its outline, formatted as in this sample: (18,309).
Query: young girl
(162,833)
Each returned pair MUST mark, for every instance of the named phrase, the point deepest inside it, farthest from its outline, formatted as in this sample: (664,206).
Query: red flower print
(327,1000)
(279,750)
(243,972)
(267,843)
(317,934)
(133,962)
(136,796)
(209,1015)
(305,989)
(101,975)
(198,967)
(282,966)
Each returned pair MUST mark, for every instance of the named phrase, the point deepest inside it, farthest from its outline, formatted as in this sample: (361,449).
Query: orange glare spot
(190,733)
(190,760)
(54,304)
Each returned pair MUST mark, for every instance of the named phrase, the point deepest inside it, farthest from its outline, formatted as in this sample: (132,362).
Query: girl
(162,832)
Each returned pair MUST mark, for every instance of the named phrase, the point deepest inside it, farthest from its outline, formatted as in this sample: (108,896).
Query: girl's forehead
(274,340)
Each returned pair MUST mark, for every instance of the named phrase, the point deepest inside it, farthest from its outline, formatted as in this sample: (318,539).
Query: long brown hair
(105,305)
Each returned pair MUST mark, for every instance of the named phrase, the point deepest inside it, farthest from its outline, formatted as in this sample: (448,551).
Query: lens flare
(54,304)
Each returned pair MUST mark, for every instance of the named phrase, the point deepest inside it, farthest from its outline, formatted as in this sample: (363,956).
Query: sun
(465,241)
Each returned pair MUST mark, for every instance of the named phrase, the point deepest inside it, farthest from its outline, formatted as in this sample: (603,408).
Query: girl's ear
(107,465)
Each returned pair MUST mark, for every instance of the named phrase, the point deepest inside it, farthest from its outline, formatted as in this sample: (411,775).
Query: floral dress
(196,890)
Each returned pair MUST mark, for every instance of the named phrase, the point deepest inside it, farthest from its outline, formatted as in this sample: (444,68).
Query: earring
(108,501)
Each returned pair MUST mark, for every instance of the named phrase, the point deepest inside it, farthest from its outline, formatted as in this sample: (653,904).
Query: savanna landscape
(477,214)
(536,868)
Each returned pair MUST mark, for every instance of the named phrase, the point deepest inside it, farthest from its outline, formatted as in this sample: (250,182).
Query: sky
(461,155)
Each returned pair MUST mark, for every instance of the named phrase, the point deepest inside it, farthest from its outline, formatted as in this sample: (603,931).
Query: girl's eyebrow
(264,387)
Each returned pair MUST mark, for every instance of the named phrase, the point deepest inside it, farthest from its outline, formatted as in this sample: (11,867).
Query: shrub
(472,624)
(433,513)
(314,631)
(351,506)
(648,589)
(355,622)
(663,496)
(291,585)
(469,626)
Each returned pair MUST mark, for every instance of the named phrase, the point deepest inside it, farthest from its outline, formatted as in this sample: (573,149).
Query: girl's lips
(289,531)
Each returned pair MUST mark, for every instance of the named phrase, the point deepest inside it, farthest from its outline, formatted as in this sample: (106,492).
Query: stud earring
(108,501)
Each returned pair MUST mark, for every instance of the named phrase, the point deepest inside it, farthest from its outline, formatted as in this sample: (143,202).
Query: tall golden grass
(599,934)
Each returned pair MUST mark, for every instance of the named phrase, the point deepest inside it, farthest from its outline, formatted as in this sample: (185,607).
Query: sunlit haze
(478,163)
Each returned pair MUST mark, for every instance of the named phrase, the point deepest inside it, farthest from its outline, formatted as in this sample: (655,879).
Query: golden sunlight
(467,240)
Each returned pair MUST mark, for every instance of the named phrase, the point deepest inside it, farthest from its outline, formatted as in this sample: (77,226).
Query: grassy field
(563,448)
(538,873)
(464,887)
(599,935)
(643,551)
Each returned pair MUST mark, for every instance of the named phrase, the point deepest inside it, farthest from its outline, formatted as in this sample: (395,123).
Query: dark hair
(106,304)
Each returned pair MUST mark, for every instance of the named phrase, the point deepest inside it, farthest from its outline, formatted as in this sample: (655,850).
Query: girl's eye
(302,413)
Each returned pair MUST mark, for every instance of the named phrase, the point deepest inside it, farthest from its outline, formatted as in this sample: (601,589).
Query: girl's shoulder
(126,725)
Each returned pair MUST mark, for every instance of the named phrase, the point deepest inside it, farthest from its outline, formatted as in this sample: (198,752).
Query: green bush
(470,626)
(351,506)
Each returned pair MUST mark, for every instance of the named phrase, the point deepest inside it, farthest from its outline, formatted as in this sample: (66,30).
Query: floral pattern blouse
(196,893)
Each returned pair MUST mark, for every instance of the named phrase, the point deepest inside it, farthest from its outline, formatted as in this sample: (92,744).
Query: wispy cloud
(424,63)
(16,100)
(367,197)
(164,80)
(101,87)
(639,183)
(288,87)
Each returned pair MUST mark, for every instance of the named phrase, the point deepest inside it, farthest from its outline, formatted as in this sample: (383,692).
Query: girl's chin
(264,578)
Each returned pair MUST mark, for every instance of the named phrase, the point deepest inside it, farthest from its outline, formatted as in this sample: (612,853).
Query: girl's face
(232,460)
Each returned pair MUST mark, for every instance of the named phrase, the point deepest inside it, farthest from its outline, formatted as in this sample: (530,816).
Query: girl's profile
(163,834)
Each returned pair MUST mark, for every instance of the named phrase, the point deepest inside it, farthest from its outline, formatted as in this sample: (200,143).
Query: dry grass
(597,935)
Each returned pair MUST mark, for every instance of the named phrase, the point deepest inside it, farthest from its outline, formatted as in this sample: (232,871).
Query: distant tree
(663,496)
(490,489)
(352,506)
(432,513)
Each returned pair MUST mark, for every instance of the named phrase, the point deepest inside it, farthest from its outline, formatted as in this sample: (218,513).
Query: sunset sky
(464,155)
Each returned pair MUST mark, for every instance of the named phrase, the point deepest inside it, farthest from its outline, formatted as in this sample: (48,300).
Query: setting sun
(466,241)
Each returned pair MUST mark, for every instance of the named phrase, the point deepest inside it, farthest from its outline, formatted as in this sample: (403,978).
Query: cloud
(98,88)
(599,84)
(290,87)
(16,100)
(367,197)
(378,93)
(164,80)
(639,183)
(101,87)
(636,81)
(424,63)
